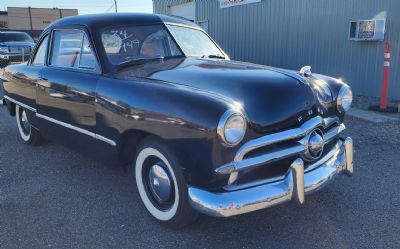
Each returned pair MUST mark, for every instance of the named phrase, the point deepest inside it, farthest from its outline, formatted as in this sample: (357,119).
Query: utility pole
(115,5)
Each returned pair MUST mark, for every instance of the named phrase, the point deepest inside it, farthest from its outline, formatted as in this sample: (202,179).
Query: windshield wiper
(137,61)
(213,56)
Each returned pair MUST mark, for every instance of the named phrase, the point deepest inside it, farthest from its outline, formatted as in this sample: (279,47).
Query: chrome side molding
(66,125)
(80,130)
(20,104)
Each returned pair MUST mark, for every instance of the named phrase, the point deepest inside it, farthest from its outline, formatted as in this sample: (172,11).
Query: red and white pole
(385,82)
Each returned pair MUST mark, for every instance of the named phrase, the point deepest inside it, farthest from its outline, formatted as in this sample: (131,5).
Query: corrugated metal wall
(294,33)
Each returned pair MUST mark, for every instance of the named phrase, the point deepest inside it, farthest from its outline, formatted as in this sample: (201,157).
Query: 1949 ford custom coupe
(203,133)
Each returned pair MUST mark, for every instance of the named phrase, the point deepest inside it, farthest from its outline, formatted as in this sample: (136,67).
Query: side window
(40,56)
(66,48)
(87,60)
(71,49)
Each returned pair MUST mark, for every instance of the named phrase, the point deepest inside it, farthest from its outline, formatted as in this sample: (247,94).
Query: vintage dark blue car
(201,132)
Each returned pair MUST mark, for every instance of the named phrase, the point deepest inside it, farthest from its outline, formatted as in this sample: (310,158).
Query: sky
(83,6)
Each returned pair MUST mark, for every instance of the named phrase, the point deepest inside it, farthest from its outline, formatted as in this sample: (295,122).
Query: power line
(109,8)
(114,4)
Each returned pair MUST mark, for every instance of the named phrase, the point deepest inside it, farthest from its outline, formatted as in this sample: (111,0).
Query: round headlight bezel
(227,117)
(344,92)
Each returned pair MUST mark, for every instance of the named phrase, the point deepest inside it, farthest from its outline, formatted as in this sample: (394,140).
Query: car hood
(17,44)
(271,98)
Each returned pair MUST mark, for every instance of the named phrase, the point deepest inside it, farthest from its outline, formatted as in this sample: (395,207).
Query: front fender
(334,86)
(185,118)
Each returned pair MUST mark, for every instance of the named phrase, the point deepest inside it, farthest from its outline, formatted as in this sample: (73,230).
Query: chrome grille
(294,143)
(20,50)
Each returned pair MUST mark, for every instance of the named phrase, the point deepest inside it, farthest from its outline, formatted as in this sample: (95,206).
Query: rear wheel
(28,133)
(161,184)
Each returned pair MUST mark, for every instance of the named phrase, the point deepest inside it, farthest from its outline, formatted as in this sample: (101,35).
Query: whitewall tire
(161,185)
(27,132)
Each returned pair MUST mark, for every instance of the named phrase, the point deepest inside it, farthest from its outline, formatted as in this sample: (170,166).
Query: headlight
(231,127)
(344,99)
(3,49)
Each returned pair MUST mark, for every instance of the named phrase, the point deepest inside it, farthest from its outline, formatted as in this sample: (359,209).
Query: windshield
(194,42)
(129,43)
(15,37)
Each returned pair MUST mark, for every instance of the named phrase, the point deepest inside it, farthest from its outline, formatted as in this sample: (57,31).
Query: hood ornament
(306,71)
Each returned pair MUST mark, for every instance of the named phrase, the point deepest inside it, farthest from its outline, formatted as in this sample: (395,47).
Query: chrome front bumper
(293,186)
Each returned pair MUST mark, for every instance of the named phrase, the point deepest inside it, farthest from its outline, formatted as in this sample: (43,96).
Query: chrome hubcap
(25,123)
(160,184)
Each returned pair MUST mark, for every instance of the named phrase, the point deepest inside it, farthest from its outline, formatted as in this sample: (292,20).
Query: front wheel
(161,184)
(28,133)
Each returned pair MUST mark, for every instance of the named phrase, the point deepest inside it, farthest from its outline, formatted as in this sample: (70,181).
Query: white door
(185,10)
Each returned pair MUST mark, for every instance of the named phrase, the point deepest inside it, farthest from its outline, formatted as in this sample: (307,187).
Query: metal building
(341,38)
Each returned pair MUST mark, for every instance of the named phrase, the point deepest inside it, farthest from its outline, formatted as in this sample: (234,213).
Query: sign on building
(231,3)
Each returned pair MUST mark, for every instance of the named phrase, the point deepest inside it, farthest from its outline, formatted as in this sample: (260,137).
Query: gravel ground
(52,197)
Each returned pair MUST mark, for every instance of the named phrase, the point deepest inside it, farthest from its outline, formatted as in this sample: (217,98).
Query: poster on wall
(231,3)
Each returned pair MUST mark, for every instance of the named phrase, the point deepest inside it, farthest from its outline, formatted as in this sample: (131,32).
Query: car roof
(96,21)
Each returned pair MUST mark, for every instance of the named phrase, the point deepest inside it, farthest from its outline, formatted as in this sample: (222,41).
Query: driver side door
(67,89)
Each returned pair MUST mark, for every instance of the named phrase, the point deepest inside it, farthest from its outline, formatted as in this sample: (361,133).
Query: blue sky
(84,6)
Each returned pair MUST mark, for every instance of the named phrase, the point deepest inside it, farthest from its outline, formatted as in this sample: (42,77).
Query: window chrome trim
(96,70)
(36,47)
(66,125)
(195,28)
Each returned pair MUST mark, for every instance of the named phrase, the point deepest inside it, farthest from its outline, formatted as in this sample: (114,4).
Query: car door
(66,92)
